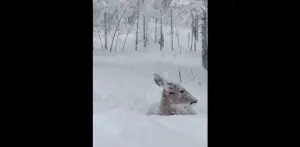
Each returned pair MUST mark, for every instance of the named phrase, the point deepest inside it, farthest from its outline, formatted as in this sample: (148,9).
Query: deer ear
(159,80)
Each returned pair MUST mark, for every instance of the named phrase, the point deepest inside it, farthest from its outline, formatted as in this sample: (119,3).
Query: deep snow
(124,89)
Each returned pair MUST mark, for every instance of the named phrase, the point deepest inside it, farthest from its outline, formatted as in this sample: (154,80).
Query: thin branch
(179,76)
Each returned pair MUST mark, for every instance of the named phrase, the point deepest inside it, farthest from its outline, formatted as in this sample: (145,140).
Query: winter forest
(150,73)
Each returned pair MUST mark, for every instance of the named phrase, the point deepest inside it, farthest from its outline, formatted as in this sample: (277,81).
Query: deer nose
(194,102)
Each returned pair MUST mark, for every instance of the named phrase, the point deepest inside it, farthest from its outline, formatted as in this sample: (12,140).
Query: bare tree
(189,40)
(155,30)
(128,33)
(172,29)
(101,42)
(204,36)
(170,9)
(192,34)
(144,33)
(144,29)
(105,30)
(196,31)
(126,23)
(99,38)
(194,27)
(137,25)
(107,17)
(177,35)
(117,41)
(161,39)
(147,26)
(195,42)
(117,27)
(146,39)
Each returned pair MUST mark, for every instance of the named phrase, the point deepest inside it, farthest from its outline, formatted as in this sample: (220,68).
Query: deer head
(173,93)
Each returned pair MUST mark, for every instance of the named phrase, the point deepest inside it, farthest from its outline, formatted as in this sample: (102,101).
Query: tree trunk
(189,40)
(204,40)
(177,34)
(147,24)
(196,31)
(172,30)
(126,23)
(155,30)
(193,33)
(144,32)
(195,41)
(137,25)
(196,27)
(107,17)
(144,29)
(117,42)
(101,44)
(161,40)
(105,30)
(191,47)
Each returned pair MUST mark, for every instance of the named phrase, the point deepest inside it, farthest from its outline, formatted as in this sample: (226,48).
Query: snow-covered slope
(124,89)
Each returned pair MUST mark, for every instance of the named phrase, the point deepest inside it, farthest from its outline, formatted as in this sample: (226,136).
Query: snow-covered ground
(124,89)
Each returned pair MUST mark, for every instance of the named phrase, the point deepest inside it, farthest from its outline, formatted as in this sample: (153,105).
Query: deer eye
(181,91)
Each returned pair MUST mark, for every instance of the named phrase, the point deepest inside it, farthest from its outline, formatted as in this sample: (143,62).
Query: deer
(172,95)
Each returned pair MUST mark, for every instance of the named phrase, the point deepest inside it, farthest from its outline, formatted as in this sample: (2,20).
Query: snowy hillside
(124,89)
(127,52)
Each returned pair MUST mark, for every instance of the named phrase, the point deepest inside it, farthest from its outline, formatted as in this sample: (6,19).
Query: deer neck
(165,106)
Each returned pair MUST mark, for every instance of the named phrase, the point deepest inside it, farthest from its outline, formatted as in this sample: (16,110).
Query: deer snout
(193,102)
